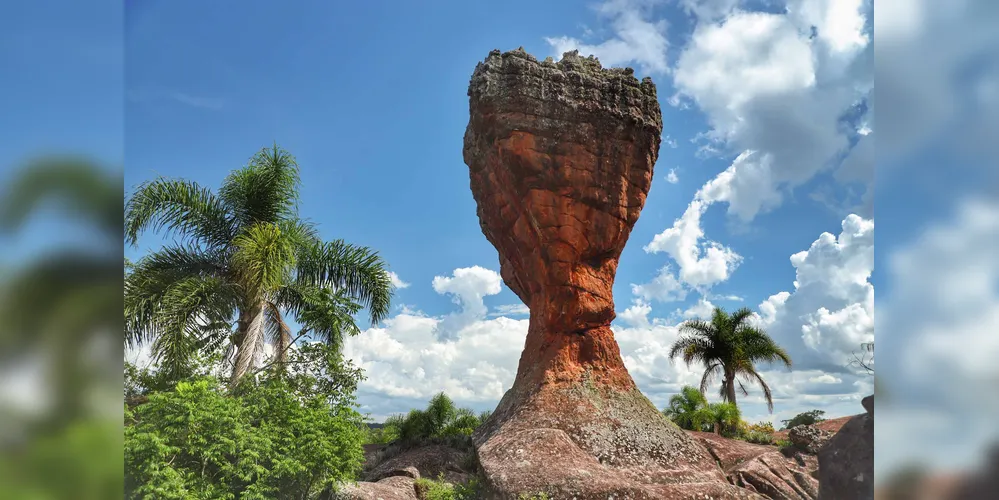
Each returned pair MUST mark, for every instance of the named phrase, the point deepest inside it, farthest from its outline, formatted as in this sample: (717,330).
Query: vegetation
(288,435)
(440,489)
(441,419)
(730,345)
(244,256)
(759,433)
(690,410)
(807,418)
(59,305)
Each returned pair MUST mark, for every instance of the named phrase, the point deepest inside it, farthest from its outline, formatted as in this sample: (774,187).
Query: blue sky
(371,99)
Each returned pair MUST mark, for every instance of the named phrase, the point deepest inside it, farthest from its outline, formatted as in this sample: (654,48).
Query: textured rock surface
(762,468)
(846,462)
(390,488)
(561,159)
(809,438)
(430,461)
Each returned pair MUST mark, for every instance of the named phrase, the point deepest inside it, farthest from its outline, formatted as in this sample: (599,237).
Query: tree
(244,256)
(729,344)
(284,437)
(441,419)
(807,418)
(689,409)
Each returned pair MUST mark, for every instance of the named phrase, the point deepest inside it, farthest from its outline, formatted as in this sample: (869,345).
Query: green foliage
(758,433)
(242,259)
(440,489)
(290,436)
(441,419)
(689,410)
(729,345)
(806,418)
(726,416)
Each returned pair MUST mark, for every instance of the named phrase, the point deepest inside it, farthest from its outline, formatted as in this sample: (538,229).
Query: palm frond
(739,318)
(753,375)
(266,190)
(181,207)
(264,257)
(699,328)
(758,346)
(327,314)
(356,271)
(709,375)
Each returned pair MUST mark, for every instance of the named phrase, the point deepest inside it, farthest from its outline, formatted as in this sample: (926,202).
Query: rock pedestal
(561,159)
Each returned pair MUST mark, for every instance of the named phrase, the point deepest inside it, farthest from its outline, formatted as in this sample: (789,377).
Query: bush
(758,433)
(689,410)
(291,435)
(441,419)
(429,489)
(806,418)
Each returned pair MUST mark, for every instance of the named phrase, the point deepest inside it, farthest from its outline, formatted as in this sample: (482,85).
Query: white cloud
(709,10)
(396,281)
(467,288)
(830,313)
(636,40)
(637,315)
(671,177)
(669,141)
(777,96)
(510,309)
(701,264)
(703,309)
(664,287)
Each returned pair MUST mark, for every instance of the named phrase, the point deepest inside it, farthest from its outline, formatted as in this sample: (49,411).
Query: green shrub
(291,435)
(806,418)
(689,410)
(758,433)
(429,489)
(441,419)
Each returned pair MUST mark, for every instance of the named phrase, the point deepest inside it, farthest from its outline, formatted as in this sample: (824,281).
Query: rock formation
(846,462)
(561,159)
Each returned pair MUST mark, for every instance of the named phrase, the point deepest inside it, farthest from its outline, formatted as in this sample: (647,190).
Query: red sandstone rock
(390,488)
(762,468)
(561,159)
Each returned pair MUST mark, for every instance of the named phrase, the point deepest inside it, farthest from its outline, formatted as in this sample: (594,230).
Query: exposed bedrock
(561,159)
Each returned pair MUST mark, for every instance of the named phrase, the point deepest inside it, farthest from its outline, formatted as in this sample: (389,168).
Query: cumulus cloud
(636,39)
(396,281)
(702,263)
(830,313)
(663,288)
(773,92)
(671,177)
(468,288)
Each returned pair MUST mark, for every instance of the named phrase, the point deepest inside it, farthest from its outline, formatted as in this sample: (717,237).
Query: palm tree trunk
(248,340)
(730,386)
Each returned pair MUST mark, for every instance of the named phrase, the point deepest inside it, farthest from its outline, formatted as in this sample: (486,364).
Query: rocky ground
(760,471)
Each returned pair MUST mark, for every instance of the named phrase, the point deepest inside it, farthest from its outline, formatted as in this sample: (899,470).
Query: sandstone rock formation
(762,468)
(561,159)
(846,462)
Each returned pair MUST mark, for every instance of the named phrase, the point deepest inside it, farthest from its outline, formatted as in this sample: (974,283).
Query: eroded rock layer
(561,159)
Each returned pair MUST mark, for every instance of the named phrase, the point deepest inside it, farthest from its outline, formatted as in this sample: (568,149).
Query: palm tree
(729,344)
(244,256)
(689,409)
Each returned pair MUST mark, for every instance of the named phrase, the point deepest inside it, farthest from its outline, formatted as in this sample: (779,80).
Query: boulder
(846,462)
(430,461)
(560,157)
(390,488)
(808,438)
(763,469)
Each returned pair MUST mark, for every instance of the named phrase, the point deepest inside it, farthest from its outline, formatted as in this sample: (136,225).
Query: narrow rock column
(561,159)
